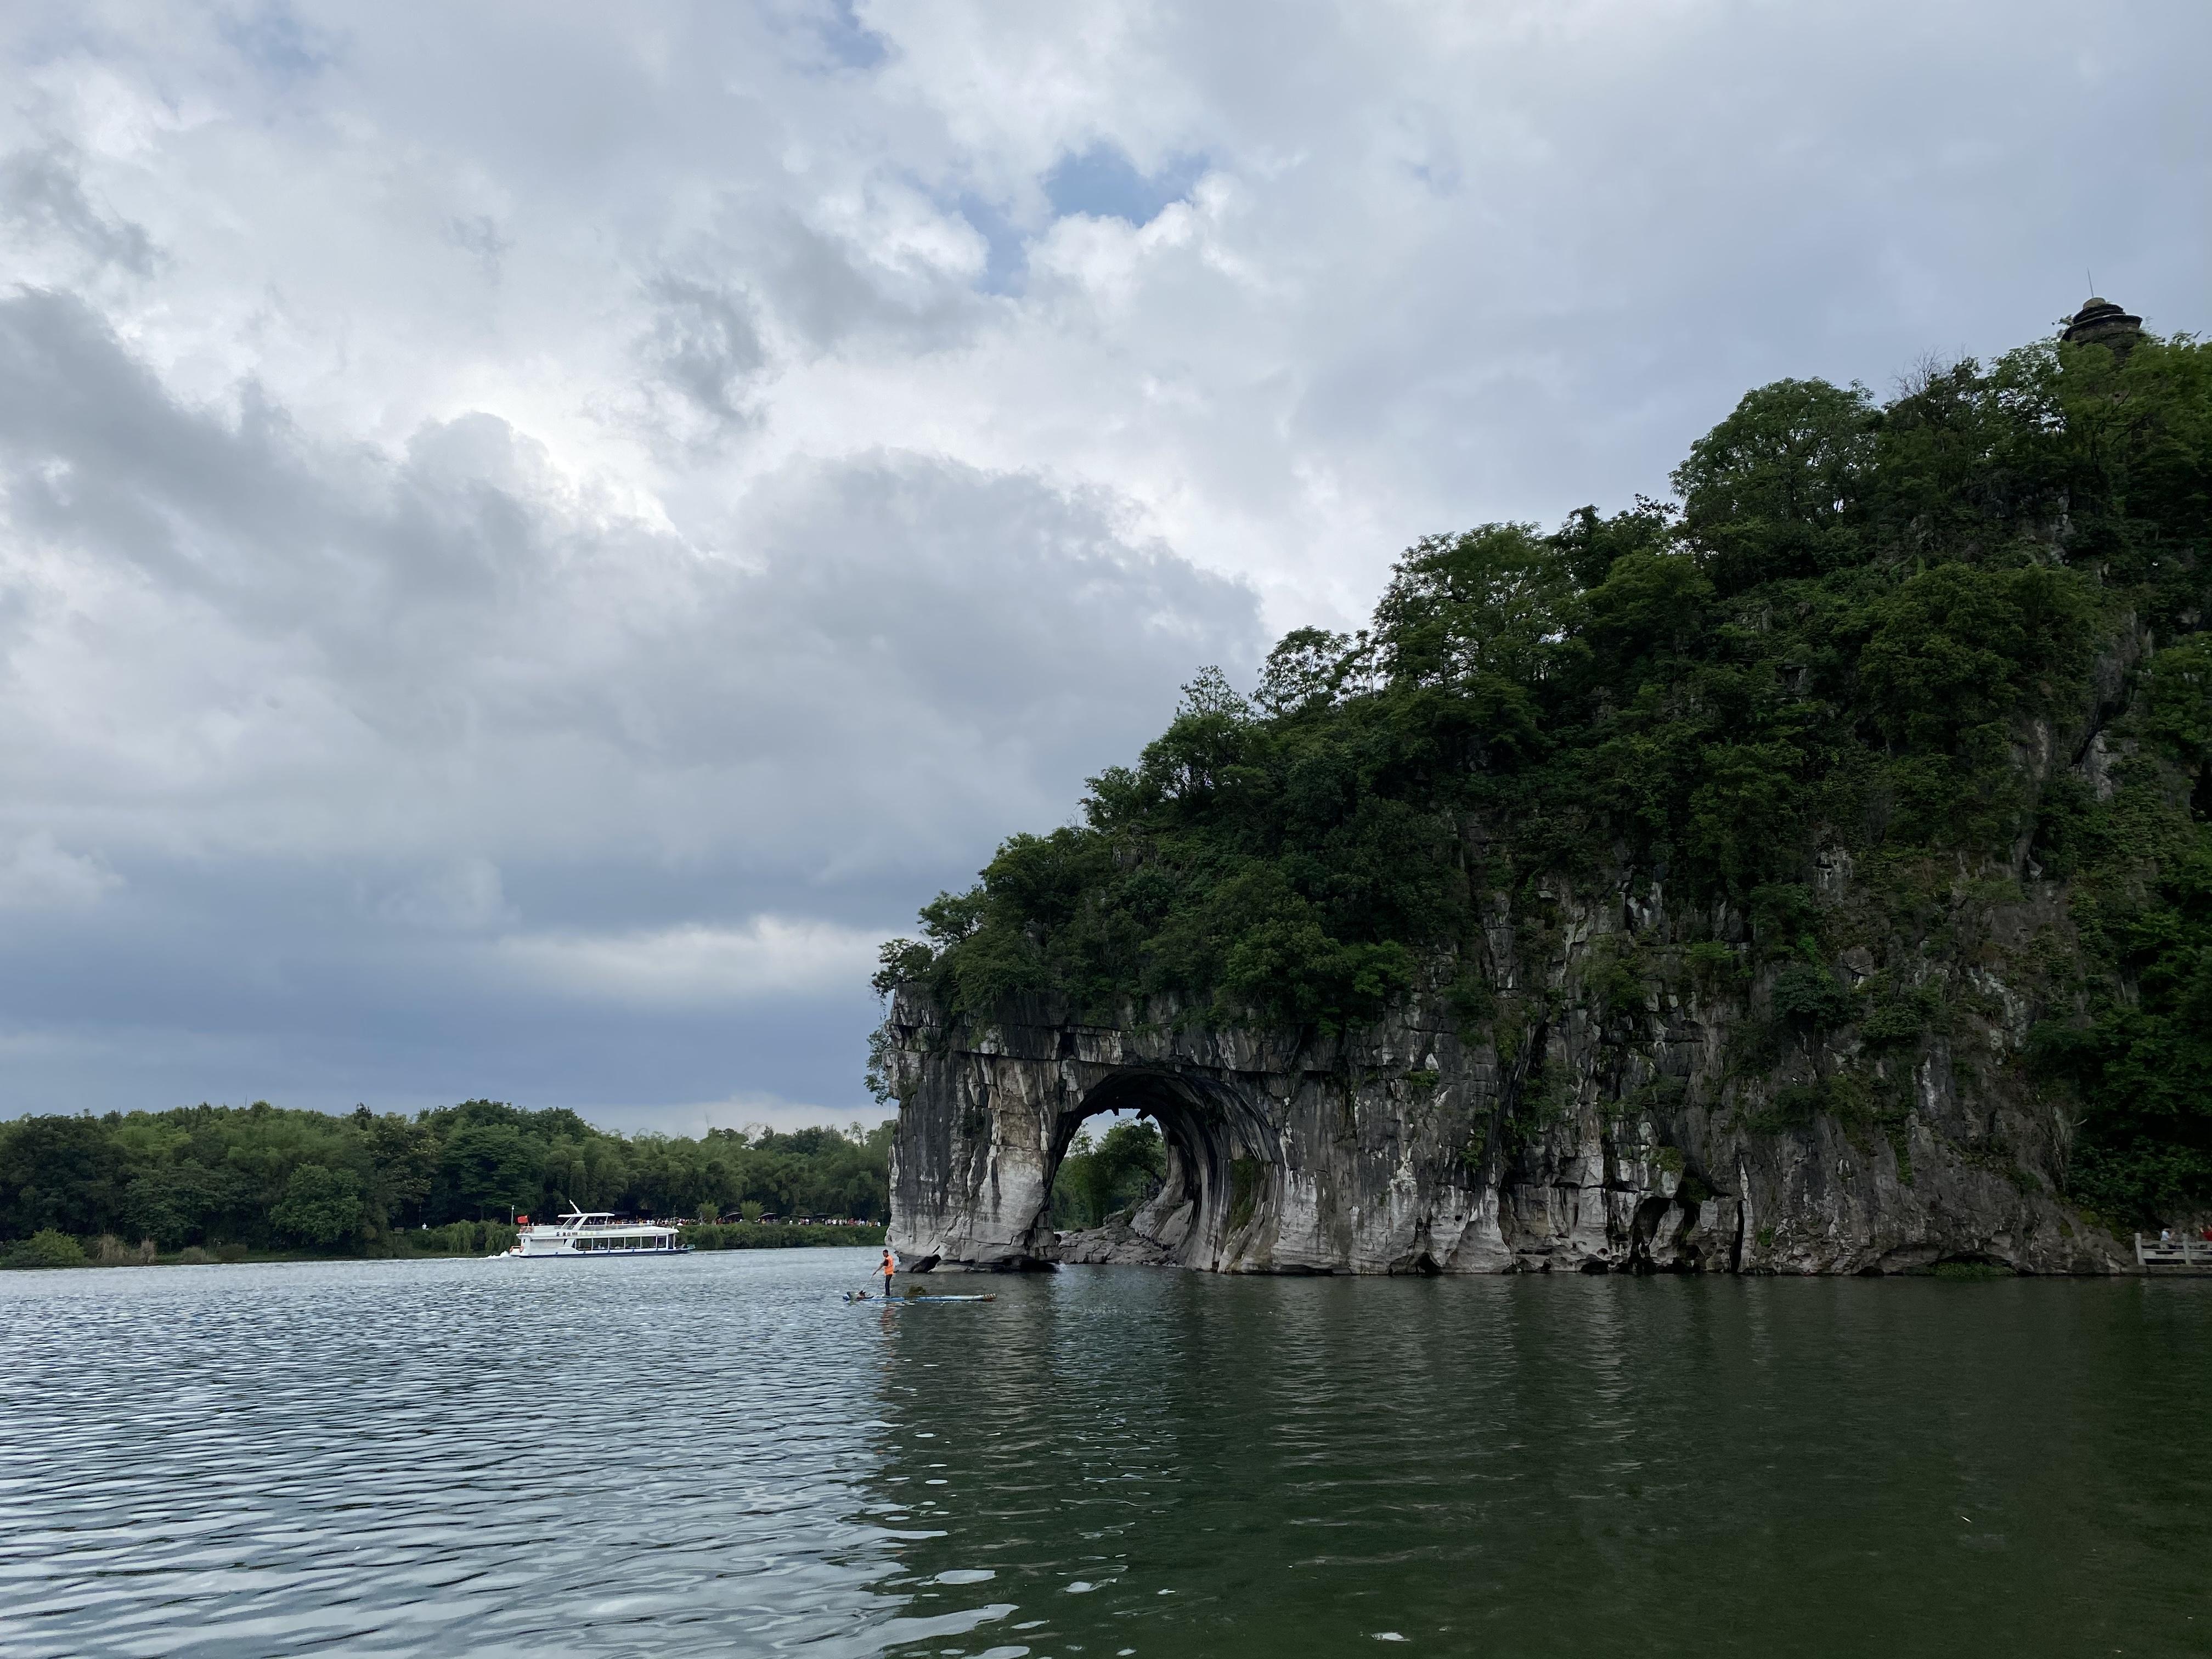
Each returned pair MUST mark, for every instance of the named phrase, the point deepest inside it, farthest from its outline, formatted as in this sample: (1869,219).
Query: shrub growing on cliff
(1812,998)
(2144,1063)
(1846,636)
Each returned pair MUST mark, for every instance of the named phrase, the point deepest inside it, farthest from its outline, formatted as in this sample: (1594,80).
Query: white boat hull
(582,1236)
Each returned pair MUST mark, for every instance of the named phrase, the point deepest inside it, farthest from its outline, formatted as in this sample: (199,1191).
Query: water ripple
(718,1455)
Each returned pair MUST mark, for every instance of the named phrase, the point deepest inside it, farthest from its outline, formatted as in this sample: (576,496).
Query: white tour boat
(596,1233)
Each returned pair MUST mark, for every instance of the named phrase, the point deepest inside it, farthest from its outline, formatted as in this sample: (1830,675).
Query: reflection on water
(717,1454)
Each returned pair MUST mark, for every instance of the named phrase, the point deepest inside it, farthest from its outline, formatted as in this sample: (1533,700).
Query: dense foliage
(267,1178)
(1100,1179)
(1845,631)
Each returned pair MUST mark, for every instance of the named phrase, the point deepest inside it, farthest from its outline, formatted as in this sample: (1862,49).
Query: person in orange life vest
(890,1266)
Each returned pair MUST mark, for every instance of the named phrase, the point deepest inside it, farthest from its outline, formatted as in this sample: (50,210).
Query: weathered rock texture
(1595,1080)
(1610,1100)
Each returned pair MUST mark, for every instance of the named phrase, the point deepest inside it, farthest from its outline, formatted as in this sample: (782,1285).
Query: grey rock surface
(1614,1101)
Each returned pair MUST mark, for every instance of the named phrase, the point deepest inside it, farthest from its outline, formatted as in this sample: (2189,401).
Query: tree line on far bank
(262,1177)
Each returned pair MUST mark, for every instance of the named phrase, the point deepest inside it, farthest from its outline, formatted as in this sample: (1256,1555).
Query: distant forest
(269,1178)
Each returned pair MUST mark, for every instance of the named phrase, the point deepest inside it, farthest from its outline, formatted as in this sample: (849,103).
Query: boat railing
(605,1220)
(2181,1253)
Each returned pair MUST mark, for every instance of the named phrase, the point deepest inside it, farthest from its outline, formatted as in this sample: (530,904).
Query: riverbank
(295,1185)
(54,1249)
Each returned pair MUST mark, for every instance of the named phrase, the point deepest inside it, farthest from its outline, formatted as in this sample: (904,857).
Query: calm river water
(716,1455)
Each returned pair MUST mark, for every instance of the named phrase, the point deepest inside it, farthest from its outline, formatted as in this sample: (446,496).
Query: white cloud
(697,967)
(597,480)
(460,655)
(35,874)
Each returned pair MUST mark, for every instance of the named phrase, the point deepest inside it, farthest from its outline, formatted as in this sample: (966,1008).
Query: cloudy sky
(532,535)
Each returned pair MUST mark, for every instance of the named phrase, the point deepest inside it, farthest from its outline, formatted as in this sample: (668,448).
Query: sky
(533,536)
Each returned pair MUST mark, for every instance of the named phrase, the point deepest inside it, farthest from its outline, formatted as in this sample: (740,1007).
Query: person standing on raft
(890,1266)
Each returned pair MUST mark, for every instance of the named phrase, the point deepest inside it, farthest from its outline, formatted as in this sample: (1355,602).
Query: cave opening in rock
(1211,1174)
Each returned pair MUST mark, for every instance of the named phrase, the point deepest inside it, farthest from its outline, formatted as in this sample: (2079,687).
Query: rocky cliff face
(1610,1099)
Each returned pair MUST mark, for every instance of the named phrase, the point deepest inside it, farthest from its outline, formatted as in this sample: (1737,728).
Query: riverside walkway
(2189,1254)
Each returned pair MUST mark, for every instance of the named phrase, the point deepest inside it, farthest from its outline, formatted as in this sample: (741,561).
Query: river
(717,1456)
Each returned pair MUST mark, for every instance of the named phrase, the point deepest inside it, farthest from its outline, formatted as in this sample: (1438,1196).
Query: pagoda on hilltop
(2099,322)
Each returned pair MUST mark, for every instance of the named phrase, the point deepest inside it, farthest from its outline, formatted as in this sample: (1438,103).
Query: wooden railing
(2182,1253)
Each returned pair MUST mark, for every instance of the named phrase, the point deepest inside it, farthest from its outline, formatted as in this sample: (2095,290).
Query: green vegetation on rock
(1942,654)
